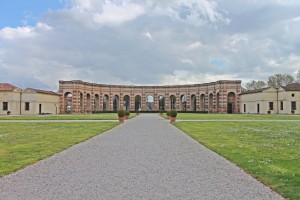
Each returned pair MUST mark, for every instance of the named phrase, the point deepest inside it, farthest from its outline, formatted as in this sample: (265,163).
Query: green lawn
(102,116)
(269,151)
(193,116)
(23,144)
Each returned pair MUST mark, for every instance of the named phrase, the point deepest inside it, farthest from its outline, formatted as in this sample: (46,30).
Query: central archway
(161,103)
(138,103)
(149,103)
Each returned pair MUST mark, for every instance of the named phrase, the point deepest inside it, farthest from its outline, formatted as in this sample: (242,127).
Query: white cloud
(187,61)
(148,35)
(19,32)
(113,14)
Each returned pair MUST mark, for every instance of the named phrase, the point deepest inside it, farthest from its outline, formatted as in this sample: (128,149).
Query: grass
(193,116)
(269,151)
(102,116)
(23,144)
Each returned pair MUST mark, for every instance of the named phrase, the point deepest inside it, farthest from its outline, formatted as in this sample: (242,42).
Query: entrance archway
(105,102)
(88,102)
(231,102)
(126,104)
(193,103)
(96,102)
(116,103)
(161,103)
(183,99)
(68,97)
(172,102)
(137,103)
(149,103)
(210,103)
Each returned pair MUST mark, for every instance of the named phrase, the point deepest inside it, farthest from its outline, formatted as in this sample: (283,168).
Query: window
(271,105)
(293,95)
(26,105)
(5,105)
(293,105)
(281,105)
(244,108)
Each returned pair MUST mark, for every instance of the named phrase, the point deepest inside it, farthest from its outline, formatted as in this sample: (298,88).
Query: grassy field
(269,151)
(23,144)
(102,116)
(193,116)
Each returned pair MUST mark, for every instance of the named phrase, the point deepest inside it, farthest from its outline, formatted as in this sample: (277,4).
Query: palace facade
(216,97)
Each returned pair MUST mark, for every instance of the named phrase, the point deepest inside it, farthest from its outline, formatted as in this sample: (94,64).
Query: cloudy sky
(147,42)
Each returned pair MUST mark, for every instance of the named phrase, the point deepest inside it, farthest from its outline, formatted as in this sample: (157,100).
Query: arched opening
(126,104)
(81,103)
(161,103)
(149,103)
(105,102)
(202,102)
(116,103)
(68,102)
(193,103)
(210,103)
(183,102)
(137,103)
(88,102)
(172,102)
(218,102)
(231,102)
(96,102)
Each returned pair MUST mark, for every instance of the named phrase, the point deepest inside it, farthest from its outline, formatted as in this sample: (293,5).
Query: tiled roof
(43,91)
(7,87)
(255,91)
(292,87)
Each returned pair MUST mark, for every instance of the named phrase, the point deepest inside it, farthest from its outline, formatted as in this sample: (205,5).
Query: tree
(279,80)
(254,85)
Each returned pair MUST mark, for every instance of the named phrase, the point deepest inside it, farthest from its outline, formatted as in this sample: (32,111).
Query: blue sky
(18,12)
(146,42)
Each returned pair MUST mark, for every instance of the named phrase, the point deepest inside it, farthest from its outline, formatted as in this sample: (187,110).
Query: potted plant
(173,115)
(269,112)
(121,114)
(293,111)
(8,112)
(168,114)
(160,112)
(127,113)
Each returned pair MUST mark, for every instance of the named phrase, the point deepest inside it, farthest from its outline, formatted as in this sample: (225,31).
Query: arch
(126,104)
(218,103)
(105,102)
(81,102)
(172,102)
(68,97)
(149,103)
(183,102)
(210,103)
(96,102)
(88,102)
(231,102)
(116,103)
(161,103)
(137,103)
(193,102)
(202,102)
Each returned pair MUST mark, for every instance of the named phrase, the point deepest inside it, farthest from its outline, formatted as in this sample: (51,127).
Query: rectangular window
(244,108)
(293,105)
(258,108)
(271,105)
(5,105)
(281,105)
(26,105)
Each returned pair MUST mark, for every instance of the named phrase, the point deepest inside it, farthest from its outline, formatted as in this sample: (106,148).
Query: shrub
(121,113)
(127,112)
(173,113)
(168,113)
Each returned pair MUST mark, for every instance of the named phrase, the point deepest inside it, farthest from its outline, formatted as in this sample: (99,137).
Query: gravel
(144,158)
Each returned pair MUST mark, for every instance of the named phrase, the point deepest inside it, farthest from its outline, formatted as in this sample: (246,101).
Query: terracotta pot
(172,119)
(126,116)
(121,119)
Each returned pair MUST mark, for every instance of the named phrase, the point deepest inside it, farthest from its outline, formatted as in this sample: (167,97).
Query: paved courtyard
(144,158)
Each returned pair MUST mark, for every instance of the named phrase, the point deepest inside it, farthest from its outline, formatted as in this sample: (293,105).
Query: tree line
(274,81)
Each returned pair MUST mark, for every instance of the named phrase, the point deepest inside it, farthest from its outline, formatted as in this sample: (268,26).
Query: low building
(16,101)
(283,100)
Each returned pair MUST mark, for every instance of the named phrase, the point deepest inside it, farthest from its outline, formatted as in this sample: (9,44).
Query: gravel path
(144,158)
